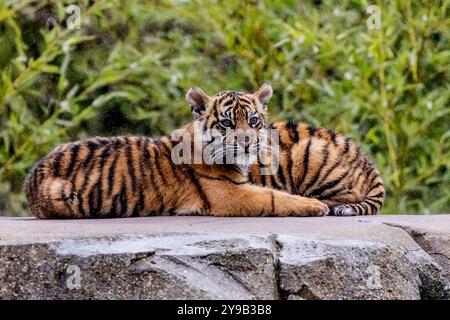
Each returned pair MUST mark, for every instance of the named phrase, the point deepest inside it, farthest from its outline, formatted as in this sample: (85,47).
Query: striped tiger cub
(132,176)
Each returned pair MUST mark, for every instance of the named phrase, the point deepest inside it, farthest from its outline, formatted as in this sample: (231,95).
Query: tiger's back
(107,177)
(323,164)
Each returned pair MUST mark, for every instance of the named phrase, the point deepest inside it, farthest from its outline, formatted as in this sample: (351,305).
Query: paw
(319,209)
(312,208)
(344,210)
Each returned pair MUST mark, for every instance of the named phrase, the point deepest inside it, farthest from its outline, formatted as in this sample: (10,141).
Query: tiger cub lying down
(319,171)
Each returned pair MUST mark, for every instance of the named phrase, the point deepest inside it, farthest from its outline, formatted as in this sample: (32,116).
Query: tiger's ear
(198,101)
(264,93)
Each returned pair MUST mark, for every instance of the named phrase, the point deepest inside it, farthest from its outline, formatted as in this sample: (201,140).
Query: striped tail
(371,205)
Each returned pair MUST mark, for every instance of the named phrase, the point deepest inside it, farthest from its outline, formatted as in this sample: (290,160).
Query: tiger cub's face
(232,123)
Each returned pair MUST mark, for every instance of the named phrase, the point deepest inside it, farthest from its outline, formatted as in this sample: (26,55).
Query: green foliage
(127,68)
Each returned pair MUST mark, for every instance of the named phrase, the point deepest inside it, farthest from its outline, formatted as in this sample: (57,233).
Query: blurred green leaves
(127,68)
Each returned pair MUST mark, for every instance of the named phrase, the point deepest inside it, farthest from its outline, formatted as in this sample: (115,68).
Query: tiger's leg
(248,200)
(365,207)
(352,203)
(342,209)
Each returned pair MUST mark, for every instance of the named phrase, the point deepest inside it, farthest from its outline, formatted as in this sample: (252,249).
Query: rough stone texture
(386,257)
(431,233)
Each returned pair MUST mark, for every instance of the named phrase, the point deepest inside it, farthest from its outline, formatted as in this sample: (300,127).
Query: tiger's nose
(245,142)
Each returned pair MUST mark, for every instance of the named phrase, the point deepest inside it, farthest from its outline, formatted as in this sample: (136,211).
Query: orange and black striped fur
(136,176)
(323,164)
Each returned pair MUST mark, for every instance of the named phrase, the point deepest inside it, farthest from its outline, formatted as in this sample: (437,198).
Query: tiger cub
(138,176)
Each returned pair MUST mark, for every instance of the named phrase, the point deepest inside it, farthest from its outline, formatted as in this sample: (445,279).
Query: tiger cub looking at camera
(139,176)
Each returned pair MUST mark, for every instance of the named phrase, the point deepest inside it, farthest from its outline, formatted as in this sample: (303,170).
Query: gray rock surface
(385,257)
(430,232)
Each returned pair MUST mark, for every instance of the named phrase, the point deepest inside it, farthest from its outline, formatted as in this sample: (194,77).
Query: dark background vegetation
(127,68)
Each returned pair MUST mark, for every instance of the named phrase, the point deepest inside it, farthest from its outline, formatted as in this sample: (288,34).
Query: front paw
(320,209)
(313,208)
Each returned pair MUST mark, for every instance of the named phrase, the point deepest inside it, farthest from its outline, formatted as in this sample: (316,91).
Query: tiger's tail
(370,205)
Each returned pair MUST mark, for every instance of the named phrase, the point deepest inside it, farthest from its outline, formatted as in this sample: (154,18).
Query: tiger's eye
(226,123)
(253,121)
